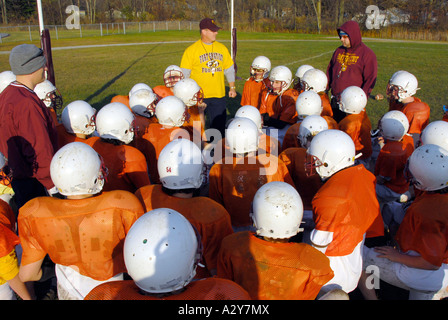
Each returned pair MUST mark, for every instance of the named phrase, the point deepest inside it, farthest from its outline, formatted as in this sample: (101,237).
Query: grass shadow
(117,77)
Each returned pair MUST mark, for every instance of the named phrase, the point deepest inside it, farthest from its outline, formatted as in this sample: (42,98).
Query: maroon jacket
(28,136)
(355,66)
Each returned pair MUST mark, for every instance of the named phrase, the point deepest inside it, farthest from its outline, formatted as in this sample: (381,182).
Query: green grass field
(96,74)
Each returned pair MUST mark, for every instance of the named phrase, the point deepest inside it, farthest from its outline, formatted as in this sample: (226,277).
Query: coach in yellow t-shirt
(208,62)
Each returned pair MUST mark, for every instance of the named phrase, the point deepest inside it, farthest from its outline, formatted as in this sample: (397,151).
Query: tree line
(312,16)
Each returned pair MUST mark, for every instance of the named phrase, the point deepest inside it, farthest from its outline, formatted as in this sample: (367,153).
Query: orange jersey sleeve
(354,126)
(424,228)
(252,91)
(126,165)
(273,271)
(391,162)
(162,91)
(86,234)
(210,219)
(346,205)
(234,182)
(307,186)
(203,289)
(122,99)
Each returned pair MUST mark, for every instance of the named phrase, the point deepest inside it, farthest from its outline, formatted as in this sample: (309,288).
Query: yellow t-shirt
(207,63)
(9,267)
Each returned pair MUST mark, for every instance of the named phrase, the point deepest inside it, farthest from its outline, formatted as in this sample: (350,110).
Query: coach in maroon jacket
(28,137)
(352,64)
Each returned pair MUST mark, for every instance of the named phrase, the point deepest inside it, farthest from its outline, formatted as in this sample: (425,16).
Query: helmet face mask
(171,77)
(401,85)
(260,68)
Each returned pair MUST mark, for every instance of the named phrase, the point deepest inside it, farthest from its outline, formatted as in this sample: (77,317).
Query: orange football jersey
(424,228)
(122,99)
(252,91)
(233,182)
(273,271)
(126,165)
(281,107)
(391,162)
(203,289)
(307,186)
(152,141)
(418,114)
(356,126)
(86,234)
(162,91)
(347,205)
(8,236)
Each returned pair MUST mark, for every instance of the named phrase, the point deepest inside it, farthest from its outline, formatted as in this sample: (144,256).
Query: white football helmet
(394,125)
(436,132)
(277,210)
(180,165)
(6,77)
(261,63)
(251,113)
(139,86)
(242,136)
(79,117)
(310,127)
(77,169)
(142,102)
(314,79)
(308,103)
(353,100)
(299,74)
(402,85)
(330,151)
(302,69)
(115,121)
(49,94)
(427,168)
(283,75)
(172,75)
(161,251)
(189,92)
(172,111)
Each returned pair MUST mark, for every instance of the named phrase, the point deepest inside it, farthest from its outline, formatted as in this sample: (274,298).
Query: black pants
(216,113)
(27,189)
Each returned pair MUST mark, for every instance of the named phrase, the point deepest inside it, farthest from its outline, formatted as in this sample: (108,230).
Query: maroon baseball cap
(208,23)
